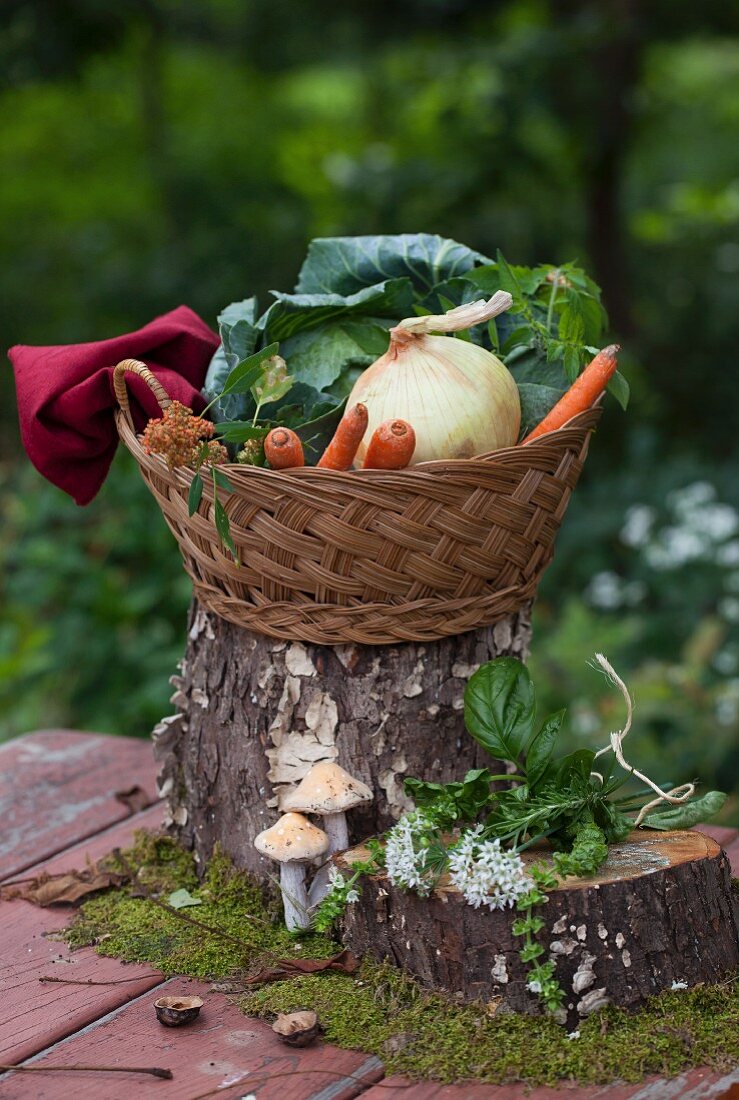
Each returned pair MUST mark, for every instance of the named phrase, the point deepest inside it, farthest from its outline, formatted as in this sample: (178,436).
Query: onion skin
(461,400)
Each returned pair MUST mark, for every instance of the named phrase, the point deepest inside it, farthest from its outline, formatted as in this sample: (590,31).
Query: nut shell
(175,1011)
(297,1029)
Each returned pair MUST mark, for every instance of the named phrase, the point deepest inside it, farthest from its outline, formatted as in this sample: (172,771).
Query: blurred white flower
(684,500)
(728,609)
(637,525)
(728,554)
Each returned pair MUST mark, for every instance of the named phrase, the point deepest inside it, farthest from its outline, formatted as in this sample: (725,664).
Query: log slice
(659,915)
(254,714)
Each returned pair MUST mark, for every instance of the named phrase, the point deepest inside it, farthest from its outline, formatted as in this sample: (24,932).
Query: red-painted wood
(723,834)
(733,853)
(222,1051)
(36,1014)
(696,1084)
(58,786)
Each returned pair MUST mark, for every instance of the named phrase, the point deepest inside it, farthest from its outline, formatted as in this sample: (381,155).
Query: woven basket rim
(434,467)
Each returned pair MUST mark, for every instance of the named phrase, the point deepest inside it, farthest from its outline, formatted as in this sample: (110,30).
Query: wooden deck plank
(58,787)
(222,1051)
(696,1084)
(36,1014)
(733,853)
(724,834)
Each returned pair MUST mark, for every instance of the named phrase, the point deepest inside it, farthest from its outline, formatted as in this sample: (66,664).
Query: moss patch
(383,1011)
(124,926)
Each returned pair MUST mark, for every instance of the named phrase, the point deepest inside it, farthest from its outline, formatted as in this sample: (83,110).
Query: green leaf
(182,899)
(508,278)
(540,750)
(221,480)
(238,431)
(620,389)
(195,495)
(575,767)
(499,707)
(293,313)
(316,434)
(343,265)
(571,362)
(689,814)
(536,402)
(571,322)
(246,373)
(447,803)
(319,356)
(529,364)
(223,526)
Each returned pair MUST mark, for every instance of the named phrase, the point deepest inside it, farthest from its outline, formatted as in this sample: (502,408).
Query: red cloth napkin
(66,400)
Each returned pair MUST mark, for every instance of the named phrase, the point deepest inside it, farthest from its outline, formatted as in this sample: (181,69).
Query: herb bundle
(474,832)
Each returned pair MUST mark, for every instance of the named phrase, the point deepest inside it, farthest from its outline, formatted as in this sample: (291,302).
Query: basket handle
(134,366)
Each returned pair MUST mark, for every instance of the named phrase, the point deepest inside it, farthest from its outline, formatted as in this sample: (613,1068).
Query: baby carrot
(340,452)
(391,446)
(283,449)
(582,393)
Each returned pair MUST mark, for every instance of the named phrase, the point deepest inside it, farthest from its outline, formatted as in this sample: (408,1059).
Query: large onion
(459,397)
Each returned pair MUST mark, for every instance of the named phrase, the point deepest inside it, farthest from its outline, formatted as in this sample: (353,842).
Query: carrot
(283,449)
(582,393)
(340,452)
(391,446)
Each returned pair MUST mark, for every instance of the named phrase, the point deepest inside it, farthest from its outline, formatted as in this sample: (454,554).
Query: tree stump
(659,915)
(254,714)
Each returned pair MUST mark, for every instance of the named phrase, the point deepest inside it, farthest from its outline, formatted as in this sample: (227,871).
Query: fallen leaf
(65,889)
(135,798)
(182,899)
(344,962)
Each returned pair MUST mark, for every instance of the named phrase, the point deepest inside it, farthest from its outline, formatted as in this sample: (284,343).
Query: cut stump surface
(659,914)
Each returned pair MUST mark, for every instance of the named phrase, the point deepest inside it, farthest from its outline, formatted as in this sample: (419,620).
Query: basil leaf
(689,814)
(195,495)
(499,707)
(343,265)
(540,750)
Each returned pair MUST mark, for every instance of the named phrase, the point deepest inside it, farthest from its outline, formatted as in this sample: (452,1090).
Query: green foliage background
(157,152)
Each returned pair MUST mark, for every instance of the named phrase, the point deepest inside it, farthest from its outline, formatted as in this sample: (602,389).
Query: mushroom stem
(294,895)
(335,828)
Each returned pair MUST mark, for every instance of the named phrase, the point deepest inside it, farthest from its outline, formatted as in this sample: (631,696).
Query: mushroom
(292,842)
(330,791)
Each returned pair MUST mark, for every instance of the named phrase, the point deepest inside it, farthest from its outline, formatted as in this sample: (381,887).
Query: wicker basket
(371,556)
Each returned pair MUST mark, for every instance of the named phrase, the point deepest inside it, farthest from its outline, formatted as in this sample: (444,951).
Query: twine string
(677,795)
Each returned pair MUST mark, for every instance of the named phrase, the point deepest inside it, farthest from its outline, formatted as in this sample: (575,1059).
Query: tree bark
(660,911)
(253,715)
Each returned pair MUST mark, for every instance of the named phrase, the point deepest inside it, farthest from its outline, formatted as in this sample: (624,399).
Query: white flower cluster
(338,882)
(485,873)
(405,855)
